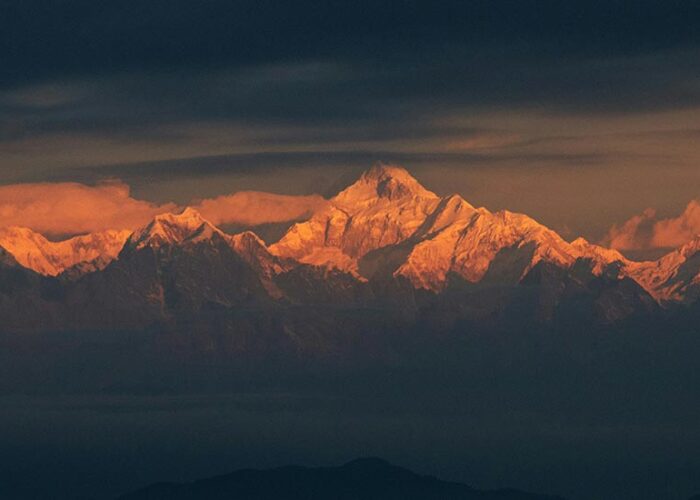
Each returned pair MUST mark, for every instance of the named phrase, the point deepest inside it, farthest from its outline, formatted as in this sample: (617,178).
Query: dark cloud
(43,38)
(356,161)
(363,92)
(352,70)
(145,62)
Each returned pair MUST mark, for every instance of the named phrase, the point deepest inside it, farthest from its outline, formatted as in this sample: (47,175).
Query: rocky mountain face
(382,257)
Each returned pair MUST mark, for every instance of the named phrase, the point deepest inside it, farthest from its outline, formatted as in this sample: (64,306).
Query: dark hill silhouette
(362,479)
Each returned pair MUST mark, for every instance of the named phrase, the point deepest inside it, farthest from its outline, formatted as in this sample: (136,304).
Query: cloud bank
(72,208)
(66,208)
(646,231)
(252,208)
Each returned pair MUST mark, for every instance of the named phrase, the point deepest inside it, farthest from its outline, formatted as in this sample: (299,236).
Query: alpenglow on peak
(388,182)
(169,228)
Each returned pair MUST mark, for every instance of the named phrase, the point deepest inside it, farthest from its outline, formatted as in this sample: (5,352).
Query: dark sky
(578,113)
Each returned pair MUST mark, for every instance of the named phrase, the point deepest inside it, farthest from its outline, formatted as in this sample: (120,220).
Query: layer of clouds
(66,208)
(647,231)
(252,208)
(72,208)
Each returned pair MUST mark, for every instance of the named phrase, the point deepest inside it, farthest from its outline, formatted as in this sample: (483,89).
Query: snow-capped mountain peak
(675,277)
(448,211)
(382,183)
(173,229)
(591,250)
(253,250)
(385,225)
(385,206)
(50,258)
(383,241)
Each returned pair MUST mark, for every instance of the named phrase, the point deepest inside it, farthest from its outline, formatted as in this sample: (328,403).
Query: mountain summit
(388,224)
(383,182)
(383,239)
(171,229)
(50,258)
(384,207)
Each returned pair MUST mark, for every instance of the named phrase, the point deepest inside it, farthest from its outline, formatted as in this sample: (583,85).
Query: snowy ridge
(384,207)
(173,229)
(388,207)
(674,277)
(34,251)
(384,225)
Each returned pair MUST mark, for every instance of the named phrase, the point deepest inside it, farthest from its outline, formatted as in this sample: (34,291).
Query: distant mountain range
(383,255)
(364,479)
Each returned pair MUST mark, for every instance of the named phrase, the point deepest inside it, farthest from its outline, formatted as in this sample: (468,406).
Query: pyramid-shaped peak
(386,182)
(170,228)
(392,174)
(456,203)
(187,216)
(248,237)
(383,171)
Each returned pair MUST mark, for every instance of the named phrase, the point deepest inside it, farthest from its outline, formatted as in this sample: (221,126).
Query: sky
(583,115)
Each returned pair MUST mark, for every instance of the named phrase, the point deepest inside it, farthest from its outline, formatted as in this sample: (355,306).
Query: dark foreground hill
(363,479)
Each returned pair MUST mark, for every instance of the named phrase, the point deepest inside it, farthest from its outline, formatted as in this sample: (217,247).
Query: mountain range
(362,479)
(383,255)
